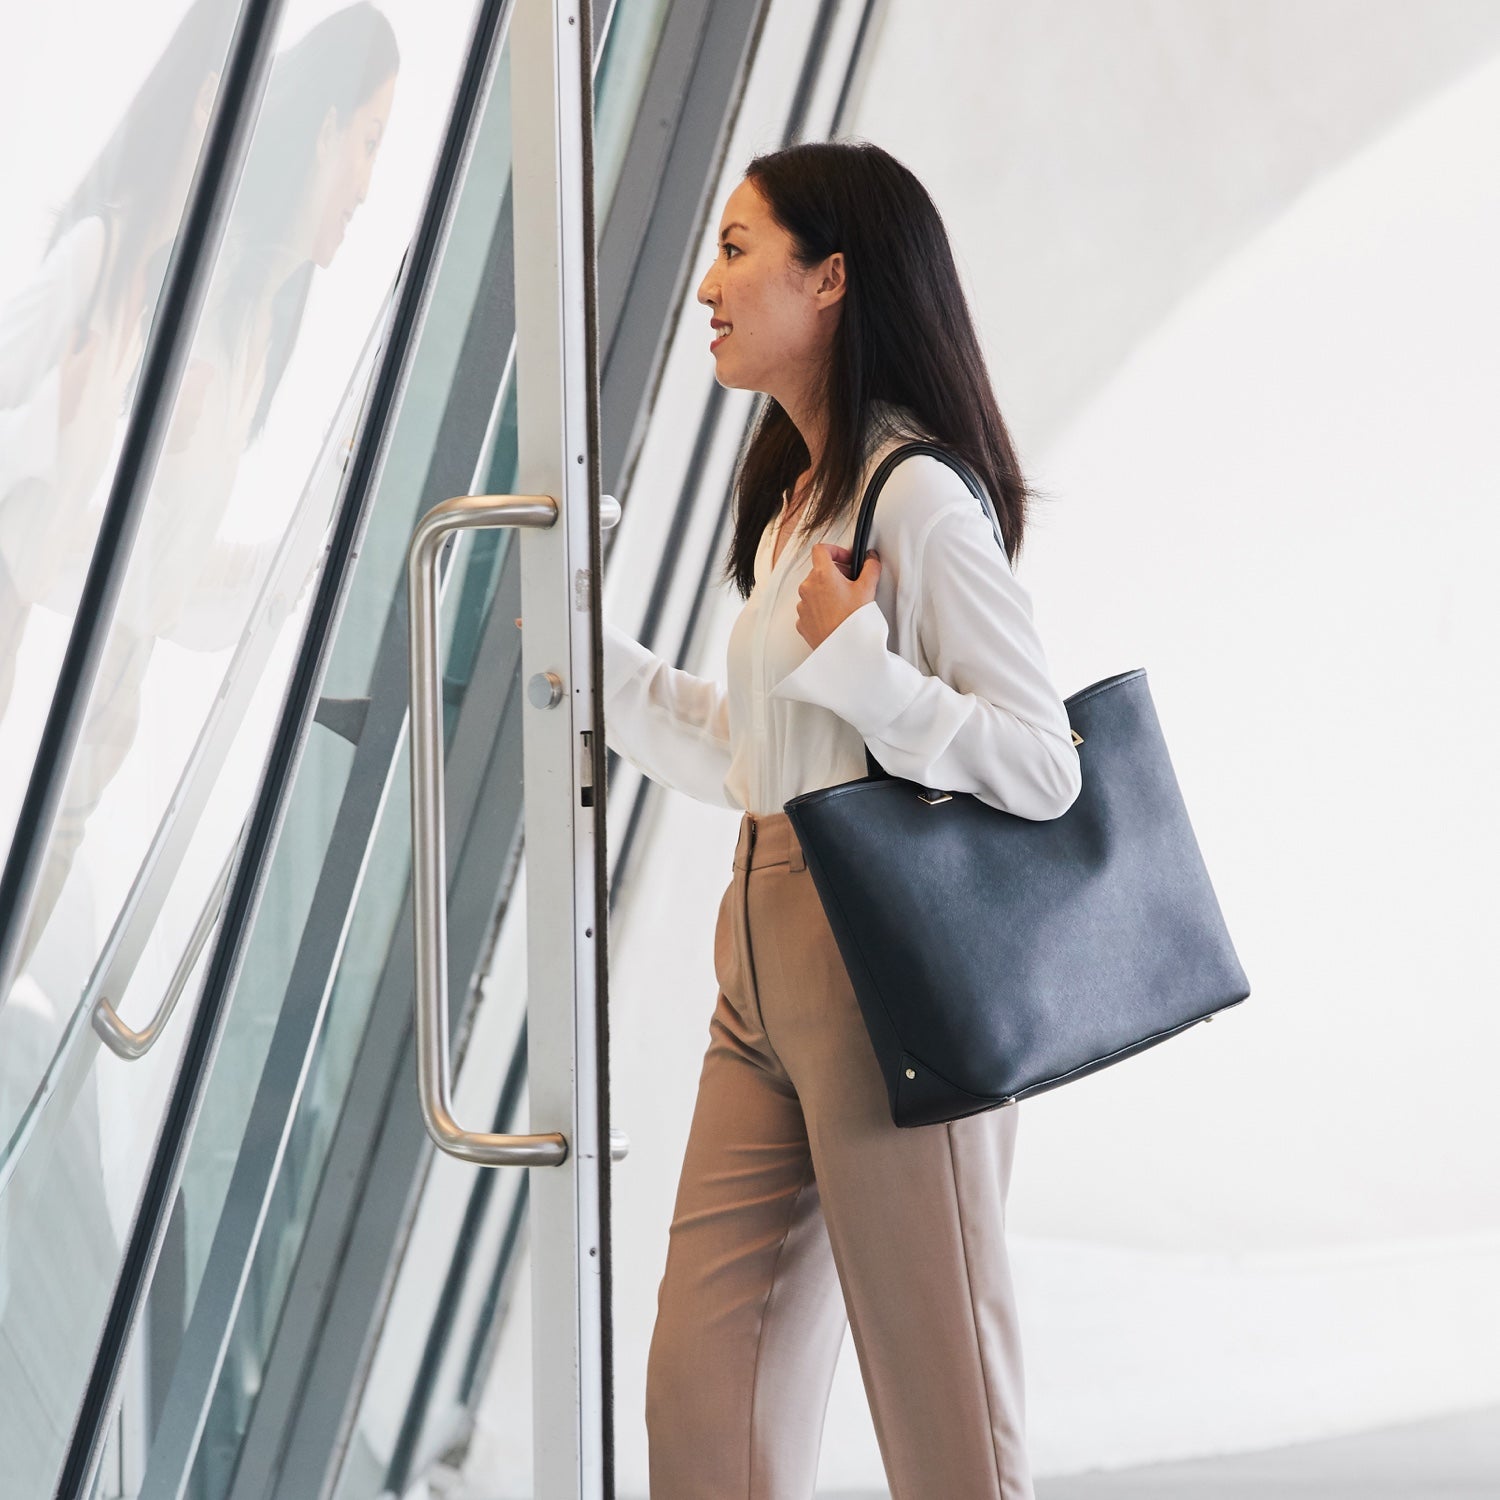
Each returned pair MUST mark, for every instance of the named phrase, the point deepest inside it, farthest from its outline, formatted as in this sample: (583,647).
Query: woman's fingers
(842,557)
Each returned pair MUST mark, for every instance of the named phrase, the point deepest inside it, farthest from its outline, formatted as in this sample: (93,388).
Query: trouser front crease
(801,1205)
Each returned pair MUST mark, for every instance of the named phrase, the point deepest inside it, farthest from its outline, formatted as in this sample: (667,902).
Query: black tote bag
(994,956)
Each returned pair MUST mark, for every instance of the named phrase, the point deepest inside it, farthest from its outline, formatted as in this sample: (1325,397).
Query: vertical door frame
(557,382)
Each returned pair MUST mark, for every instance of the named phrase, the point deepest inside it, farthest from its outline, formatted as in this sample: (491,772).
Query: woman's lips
(720,335)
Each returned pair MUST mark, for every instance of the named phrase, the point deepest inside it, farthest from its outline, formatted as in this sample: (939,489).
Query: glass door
(313,887)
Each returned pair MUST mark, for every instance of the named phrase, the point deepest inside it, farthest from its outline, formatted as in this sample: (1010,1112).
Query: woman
(835,293)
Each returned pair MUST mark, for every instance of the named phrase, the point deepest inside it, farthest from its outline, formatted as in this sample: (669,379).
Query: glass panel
(196,665)
(462,1272)
(92,209)
(620,81)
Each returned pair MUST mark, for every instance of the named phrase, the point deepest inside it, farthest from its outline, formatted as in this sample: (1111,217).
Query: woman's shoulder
(918,492)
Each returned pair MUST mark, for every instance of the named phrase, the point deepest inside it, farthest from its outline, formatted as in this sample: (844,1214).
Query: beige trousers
(795,1188)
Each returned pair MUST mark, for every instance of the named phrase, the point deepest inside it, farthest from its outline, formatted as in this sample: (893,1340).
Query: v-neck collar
(777,558)
(893,432)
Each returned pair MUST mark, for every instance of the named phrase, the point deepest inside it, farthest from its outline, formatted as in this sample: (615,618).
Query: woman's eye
(728,247)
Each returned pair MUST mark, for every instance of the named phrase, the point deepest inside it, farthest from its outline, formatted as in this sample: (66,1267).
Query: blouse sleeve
(669,724)
(989,722)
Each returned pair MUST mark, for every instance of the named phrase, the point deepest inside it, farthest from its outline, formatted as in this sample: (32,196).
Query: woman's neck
(811,421)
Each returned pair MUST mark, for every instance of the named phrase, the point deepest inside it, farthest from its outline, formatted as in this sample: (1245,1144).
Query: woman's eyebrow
(725,230)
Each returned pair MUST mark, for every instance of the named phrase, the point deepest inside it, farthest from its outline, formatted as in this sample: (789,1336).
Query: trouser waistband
(767,839)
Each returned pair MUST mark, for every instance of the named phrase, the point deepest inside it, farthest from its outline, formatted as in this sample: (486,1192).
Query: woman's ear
(327,131)
(832,283)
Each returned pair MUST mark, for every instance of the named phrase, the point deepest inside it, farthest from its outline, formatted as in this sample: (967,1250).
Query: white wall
(1235,269)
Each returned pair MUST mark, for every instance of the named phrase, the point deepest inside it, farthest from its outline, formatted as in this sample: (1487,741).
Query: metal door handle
(110,1026)
(428,851)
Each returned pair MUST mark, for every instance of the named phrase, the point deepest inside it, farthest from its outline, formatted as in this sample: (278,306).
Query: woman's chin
(724,373)
(327,246)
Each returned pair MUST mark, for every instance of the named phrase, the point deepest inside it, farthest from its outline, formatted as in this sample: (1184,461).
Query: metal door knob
(545,690)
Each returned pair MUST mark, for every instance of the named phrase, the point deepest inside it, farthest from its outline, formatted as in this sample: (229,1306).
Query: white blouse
(942,675)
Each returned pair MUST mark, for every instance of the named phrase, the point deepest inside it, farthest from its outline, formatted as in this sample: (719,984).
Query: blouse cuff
(855,674)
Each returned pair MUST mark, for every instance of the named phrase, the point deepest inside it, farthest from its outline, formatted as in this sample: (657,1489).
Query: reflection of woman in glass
(70,348)
(308,170)
(70,340)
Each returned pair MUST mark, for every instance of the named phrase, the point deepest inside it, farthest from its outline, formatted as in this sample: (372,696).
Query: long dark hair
(905,339)
(130,184)
(340,64)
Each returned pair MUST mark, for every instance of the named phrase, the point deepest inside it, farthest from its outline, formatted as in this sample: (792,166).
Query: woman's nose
(707,290)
